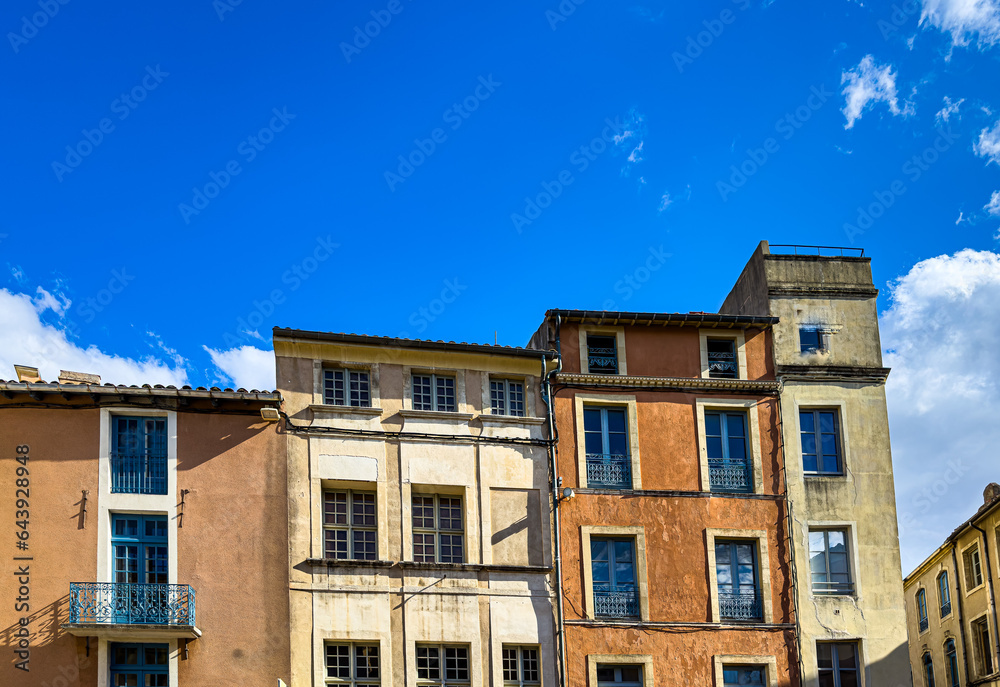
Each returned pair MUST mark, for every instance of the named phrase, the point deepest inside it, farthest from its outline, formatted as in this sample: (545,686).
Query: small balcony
(923,624)
(618,603)
(138,473)
(742,606)
(111,609)
(729,475)
(602,360)
(609,471)
(946,609)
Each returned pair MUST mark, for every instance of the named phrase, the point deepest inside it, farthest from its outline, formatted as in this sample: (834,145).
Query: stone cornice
(829,373)
(752,386)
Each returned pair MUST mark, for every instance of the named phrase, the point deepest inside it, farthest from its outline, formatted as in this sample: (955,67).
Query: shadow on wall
(43,625)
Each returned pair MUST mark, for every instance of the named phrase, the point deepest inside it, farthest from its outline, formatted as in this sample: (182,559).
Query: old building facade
(835,434)
(951,604)
(142,528)
(673,542)
(420,549)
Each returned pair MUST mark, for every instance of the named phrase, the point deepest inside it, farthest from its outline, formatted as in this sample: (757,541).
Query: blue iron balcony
(619,603)
(729,475)
(138,473)
(103,608)
(602,361)
(609,471)
(744,606)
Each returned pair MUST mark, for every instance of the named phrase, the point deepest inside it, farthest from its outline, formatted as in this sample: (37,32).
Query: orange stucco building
(672,521)
(145,537)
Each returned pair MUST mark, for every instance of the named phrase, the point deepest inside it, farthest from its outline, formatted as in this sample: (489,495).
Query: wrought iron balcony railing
(923,624)
(740,606)
(609,471)
(729,475)
(138,473)
(721,365)
(602,360)
(833,588)
(113,603)
(945,609)
(619,603)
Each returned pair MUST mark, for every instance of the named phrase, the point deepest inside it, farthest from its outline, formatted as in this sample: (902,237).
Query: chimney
(68,377)
(27,374)
(991,492)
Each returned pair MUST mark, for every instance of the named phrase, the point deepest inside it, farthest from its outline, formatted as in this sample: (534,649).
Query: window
(349,525)
(951,658)
(138,455)
(355,665)
(605,432)
(820,442)
(612,564)
(922,608)
(738,580)
(828,561)
(453,670)
(434,392)
(813,340)
(619,676)
(722,362)
(928,670)
(735,676)
(139,546)
(981,646)
(347,388)
(520,666)
(437,529)
(139,664)
(507,397)
(944,594)
(838,664)
(973,570)
(602,354)
(726,440)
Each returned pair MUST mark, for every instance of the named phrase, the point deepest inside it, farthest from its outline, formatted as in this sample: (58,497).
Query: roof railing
(795,249)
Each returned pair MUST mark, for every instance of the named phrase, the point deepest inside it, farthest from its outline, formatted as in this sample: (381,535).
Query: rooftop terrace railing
(831,251)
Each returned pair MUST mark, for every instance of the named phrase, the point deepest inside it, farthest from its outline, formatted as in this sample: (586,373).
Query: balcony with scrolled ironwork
(609,471)
(602,361)
(722,365)
(946,609)
(113,609)
(138,473)
(618,603)
(741,606)
(729,476)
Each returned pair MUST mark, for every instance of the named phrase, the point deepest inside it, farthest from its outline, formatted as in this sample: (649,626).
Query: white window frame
(443,681)
(519,657)
(507,382)
(353,680)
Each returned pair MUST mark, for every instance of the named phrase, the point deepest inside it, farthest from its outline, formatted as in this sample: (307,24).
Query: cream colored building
(828,359)
(951,604)
(419,535)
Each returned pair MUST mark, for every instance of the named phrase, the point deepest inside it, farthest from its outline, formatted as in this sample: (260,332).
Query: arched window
(922,608)
(944,594)
(928,671)
(951,658)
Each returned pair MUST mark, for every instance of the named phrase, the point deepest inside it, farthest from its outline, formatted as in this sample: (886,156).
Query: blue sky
(181,177)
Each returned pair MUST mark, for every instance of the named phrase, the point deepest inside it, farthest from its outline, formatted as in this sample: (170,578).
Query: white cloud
(631,139)
(950,108)
(993,207)
(965,20)
(26,339)
(988,145)
(246,366)
(961,218)
(665,202)
(867,84)
(940,336)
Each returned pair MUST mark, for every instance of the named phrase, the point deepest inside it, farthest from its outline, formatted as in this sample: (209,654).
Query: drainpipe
(961,615)
(557,544)
(993,603)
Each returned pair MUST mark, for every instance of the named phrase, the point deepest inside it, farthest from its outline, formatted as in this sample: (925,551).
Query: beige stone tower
(828,358)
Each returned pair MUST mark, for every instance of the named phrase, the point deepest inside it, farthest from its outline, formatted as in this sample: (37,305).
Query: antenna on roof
(495,338)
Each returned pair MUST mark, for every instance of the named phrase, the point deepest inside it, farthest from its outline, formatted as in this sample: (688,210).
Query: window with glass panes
(722,361)
(619,676)
(507,397)
(612,566)
(951,658)
(734,676)
(812,340)
(726,446)
(347,388)
(520,666)
(442,665)
(973,567)
(438,530)
(928,670)
(353,665)
(139,665)
(350,528)
(829,563)
(944,594)
(982,648)
(820,442)
(922,608)
(838,664)
(605,433)
(602,354)
(738,580)
(434,392)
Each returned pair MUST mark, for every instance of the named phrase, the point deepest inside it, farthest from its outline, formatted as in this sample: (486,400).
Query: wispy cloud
(988,145)
(950,108)
(867,84)
(631,140)
(665,202)
(993,207)
(968,21)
